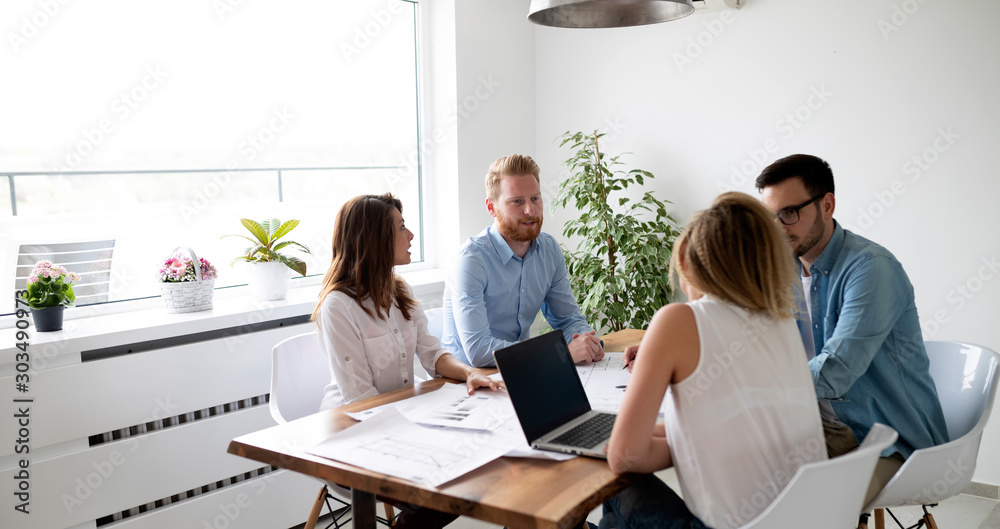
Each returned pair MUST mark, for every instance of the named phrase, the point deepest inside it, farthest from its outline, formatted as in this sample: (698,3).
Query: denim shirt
(870,358)
(492,296)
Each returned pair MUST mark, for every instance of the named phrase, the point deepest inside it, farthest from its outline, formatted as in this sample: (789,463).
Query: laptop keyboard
(589,433)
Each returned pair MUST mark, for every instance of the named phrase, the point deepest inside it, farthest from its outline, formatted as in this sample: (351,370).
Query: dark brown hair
(363,256)
(814,172)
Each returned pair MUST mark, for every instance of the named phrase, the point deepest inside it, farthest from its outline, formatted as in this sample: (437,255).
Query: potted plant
(49,292)
(187,281)
(269,273)
(619,271)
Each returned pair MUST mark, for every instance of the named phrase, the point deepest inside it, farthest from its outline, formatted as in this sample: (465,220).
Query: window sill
(87,328)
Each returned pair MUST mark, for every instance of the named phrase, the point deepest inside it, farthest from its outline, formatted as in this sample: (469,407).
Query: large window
(162,124)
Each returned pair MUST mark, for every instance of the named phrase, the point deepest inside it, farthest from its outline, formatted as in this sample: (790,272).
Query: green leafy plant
(265,245)
(619,271)
(49,285)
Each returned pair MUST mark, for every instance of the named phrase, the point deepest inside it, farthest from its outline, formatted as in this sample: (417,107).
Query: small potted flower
(187,281)
(49,292)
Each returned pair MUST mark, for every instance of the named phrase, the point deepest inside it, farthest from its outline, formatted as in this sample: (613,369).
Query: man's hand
(586,348)
(629,356)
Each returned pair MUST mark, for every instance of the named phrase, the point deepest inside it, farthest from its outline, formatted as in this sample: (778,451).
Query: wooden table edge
(403,490)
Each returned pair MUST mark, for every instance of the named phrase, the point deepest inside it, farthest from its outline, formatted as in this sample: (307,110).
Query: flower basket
(189,296)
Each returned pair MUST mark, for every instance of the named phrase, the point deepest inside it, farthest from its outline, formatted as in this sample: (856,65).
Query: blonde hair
(514,164)
(734,252)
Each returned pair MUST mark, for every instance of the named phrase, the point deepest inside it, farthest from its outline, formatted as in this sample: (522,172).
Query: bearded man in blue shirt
(502,277)
(859,322)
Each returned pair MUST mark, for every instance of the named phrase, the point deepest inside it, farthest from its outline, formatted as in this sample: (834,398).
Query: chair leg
(389,514)
(879,519)
(929,520)
(863,521)
(316,509)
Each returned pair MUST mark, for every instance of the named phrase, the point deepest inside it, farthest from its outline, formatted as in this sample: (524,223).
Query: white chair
(435,326)
(299,376)
(90,259)
(807,496)
(300,372)
(806,499)
(966,378)
(435,321)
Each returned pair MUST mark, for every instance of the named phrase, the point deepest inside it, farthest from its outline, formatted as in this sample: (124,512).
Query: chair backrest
(435,326)
(966,377)
(299,374)
(90,259)
(435,321)
(807,496)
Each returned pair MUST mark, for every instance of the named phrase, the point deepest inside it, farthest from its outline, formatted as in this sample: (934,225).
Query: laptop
(548,397)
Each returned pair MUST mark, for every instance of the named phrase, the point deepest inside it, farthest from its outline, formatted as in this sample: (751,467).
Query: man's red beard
(513,230)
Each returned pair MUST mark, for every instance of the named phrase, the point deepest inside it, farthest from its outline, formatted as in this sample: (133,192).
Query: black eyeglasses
(789,216)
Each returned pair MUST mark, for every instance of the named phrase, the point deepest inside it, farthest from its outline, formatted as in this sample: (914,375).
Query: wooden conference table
(515,492)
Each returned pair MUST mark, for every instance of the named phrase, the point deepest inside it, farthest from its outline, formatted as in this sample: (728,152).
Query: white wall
(487,107)
(697,97)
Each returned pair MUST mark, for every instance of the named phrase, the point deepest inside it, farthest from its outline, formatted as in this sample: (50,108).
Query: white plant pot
(269,281)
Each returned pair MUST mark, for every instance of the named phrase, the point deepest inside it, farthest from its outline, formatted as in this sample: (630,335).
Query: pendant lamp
(606,13)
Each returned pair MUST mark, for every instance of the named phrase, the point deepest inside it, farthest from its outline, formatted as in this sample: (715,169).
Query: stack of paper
(439,436)
(391,444)
(433,438)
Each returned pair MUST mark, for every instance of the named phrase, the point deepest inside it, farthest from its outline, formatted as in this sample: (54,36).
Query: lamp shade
(606,13)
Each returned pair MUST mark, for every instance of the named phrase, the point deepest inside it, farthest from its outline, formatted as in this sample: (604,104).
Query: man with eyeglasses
(859,321)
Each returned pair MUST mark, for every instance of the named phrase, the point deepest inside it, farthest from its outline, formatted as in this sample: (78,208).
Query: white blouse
(746,419)
(369,356)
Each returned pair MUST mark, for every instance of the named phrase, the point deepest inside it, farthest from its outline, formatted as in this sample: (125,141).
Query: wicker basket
(189,296)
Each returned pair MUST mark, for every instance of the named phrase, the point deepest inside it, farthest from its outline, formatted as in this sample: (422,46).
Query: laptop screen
(542,382)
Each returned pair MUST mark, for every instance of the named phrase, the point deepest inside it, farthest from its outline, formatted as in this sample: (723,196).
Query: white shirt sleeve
(342,339)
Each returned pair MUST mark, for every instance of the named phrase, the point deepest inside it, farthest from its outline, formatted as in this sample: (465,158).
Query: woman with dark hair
(369,323)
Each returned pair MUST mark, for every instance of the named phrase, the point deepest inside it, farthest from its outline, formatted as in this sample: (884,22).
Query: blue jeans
(649,502)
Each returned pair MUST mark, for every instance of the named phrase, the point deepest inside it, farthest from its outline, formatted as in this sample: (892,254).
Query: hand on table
(586,348)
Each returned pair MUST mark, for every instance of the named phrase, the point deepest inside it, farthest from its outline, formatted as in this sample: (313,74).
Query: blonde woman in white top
(741,413)
(370,325)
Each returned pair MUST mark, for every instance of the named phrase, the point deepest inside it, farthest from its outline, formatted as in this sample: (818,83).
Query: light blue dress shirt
(870,360)
(492,296)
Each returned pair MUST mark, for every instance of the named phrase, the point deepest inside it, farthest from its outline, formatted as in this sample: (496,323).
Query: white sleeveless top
(746,419)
